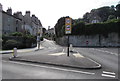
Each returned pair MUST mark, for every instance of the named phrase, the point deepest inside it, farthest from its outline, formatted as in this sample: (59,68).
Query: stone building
(93,17)
(10,23)
(0,19)
(20,23)
(31,24)
(51,31)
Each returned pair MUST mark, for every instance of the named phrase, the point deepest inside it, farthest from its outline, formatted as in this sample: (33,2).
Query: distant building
(51,31)
(20,23)
(93,17)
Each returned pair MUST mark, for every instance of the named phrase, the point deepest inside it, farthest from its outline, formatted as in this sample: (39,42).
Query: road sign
(68,25)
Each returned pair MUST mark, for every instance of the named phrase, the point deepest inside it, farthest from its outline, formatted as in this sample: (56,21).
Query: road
(108,57)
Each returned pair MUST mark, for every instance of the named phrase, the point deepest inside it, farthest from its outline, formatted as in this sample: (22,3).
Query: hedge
(103,28)
(10,44)
(96,28)
(24,41)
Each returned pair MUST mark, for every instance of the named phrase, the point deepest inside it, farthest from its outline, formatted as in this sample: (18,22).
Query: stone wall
(92,40)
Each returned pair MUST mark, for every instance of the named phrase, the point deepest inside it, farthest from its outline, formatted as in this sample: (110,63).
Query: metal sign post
(68,31)
(68,47)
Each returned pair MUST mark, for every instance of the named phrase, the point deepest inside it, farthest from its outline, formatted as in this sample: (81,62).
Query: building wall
(0,20)
(20,23)
(92,40)
(10,23)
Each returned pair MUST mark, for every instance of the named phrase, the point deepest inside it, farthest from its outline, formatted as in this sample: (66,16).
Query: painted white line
(106,51)
(108,75)
(112,73)
(78,55)
(89,73)
(99,65)
(57,54)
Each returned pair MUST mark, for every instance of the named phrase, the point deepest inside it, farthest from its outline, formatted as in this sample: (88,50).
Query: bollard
(15,52)
(71,48)
(38,45)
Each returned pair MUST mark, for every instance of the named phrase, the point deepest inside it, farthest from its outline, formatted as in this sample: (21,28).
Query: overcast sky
(49,11)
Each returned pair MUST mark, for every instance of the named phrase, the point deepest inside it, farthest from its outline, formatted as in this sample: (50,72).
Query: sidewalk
(20,50)
(75,60)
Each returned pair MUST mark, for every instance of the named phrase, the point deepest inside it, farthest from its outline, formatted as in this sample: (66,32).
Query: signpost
(68,22)
(68,26)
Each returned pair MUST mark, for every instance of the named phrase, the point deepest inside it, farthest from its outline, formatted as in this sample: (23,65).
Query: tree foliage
(105,12)
(118,10)
(60,27)
(91,29)
(108,16)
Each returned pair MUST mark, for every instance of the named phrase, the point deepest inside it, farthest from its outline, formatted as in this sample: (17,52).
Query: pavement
(75,60)
(20,50)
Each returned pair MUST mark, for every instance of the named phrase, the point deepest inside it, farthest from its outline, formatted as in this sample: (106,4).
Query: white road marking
(76,71)
(94,62)
(78,55)
(109,72)
(105,51)
(108,75)
(57,54)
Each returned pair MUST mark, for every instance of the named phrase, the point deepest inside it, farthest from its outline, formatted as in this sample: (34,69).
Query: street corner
(96,66)
(85,62)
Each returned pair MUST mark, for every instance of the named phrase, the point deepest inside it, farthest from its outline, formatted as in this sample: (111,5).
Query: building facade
(10,23)
(93,17)
(20,23)
(0,20)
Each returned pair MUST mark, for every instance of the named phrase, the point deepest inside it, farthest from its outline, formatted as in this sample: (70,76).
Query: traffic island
(75,60)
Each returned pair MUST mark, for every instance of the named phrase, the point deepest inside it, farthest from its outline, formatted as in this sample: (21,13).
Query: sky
(49,11)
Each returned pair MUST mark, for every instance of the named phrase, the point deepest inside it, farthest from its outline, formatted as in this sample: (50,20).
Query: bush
(1,43)
(19,40)
(16,34)
(41,38)
(10,44)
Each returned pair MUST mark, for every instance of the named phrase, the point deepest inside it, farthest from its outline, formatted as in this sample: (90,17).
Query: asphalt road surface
(107,57)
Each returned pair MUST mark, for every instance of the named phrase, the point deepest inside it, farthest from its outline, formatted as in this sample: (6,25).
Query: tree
(111,17)
(118,10)
(105,12)
(86,17)
(60,27)
(44,29)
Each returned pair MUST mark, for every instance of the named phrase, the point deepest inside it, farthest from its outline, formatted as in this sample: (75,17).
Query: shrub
(1,43)
(41,38)
(16,34)
(10,44)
